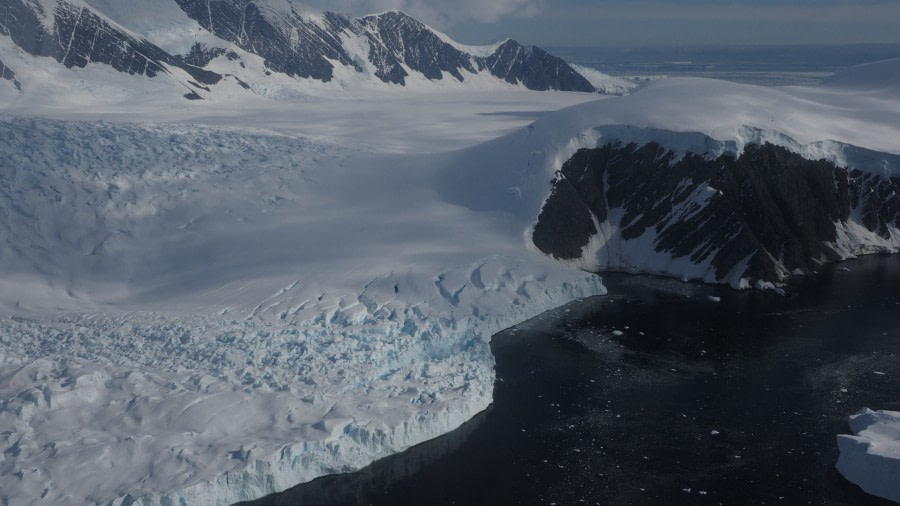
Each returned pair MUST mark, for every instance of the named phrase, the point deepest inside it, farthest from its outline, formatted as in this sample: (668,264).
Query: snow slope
(702,116)
(871,456)
(226,302)
(163,23)
(870,76)
(606,83)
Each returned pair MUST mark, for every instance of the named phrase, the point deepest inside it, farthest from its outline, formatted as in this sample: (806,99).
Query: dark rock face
(769,205)
(565,225)
(200,55)
(877,200)
(298,47)
(22,25)
(403,39)
(9,75)
(533,67)
(80,36)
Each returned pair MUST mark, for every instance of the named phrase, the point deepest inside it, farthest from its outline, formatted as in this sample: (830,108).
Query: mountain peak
(256,42)
(391,13)
(396,18)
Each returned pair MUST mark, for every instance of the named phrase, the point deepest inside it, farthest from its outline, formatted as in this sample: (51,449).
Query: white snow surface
(482,51)
(870,457)
(606,83)
(224,300)
(161,22)
(874,75)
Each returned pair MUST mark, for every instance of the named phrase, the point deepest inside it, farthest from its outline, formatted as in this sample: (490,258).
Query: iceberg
(870,457)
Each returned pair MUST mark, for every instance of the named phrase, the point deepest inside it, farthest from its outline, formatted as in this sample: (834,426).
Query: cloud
(439,13)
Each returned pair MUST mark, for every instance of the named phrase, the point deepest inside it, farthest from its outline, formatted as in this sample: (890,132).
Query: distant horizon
(772,65)
(640,23)
(725,46)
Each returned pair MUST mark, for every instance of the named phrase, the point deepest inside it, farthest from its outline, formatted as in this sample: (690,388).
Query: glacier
(211,314)
(212,302)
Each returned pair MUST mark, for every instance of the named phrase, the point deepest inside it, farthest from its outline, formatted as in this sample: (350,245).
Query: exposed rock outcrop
(750,220)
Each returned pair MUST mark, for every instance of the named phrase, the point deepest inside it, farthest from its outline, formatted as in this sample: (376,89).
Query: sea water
(759,65)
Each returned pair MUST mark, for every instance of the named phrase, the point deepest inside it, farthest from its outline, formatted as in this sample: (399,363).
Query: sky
(648,22)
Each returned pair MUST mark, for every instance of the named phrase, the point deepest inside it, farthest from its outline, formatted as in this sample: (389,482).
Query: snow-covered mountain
(256,44)
(711,181)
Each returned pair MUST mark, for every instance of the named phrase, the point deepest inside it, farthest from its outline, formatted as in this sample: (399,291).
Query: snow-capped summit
(432,54)
(254,46)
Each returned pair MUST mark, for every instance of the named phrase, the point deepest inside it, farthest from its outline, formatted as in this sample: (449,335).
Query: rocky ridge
(750,220)
(387,48)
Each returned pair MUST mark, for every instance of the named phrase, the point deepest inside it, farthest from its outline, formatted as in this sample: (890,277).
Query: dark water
(760,65)
(696,402)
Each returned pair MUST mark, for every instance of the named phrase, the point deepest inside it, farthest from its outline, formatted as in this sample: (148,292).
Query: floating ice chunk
(871,457)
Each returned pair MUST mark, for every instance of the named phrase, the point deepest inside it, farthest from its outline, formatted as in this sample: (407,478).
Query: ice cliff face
(388,48)
(749,220)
